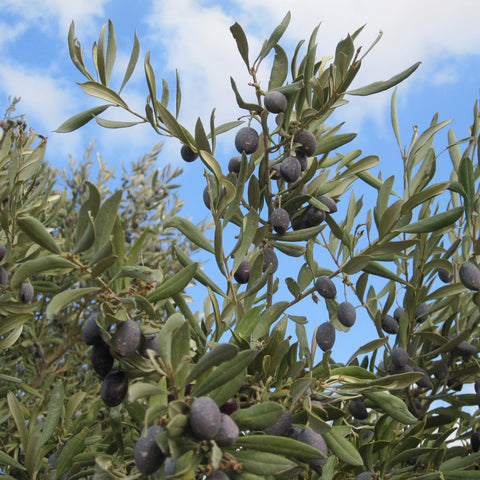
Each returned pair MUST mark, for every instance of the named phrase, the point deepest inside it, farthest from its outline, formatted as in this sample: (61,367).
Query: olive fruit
(275,172)
(313,217)
(328,202)
(229,406)
(148,455)
(114,388)
(325,336)
(357,409)
(91,330)
(188,154)
(3,252)
(398,312)
(470,276)
(364,476)
(218,475)
(440,370)
(205,418)
(399,357)
(280,220)
(234,164)
(208,195)
(475,441)
(315,440)
(270,258)
(101,359)
(421,312)
(307,141)
(275,102)
(246,140)
(228,432)
(242,273)
(169,467)
(290,169)
(325,287)
(302,159)
(444,275)
(150,342)
(465,349)
(126,338)
(346,314)
(3,276)
(425,381)
(282,426)
(390,325)
(26,293)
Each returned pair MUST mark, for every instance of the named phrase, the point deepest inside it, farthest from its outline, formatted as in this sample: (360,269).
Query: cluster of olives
(126,340)
(284,428)
(206,421)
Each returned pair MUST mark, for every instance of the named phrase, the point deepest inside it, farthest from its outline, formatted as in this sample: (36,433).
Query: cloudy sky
(193,37)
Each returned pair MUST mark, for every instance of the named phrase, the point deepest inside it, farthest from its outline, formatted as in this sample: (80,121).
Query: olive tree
(225,392)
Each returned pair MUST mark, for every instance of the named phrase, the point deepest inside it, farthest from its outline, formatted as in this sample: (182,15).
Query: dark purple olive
(444,275)
(148,455)
(325,336)
(127,338)
(280,220)
(315,440)
(246,140)
(270,258)
(328,202)
(307,141)
(91,330)
(114,388)
(188,154)
(290,169)
(229,406)
(101,359)
(26,293)
(399,357)
(242,273)
(228,432)
(205,418)
(234,164)
(283,425)
(325,287)
(470,276)
(357,409)
(346,314)
(275,102)
(390,325)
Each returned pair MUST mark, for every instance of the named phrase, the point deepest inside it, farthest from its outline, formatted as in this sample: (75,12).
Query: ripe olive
(188,154)
(325,287)
(290,169)
(246,140)
(114,388)
(242,273)
(275,102)
(205,418)
(470,276)
(148,455)
(325,336)
(280,220)
(126,338)
(307,141)
(346,314)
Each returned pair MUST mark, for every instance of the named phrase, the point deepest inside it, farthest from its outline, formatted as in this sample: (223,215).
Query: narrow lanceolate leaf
(114,123)
(132,61)
(146,274)
(62,299)
(101,91)
(16,411)
(384,85)
(225,372)
(263,463)
(434,223)
(328,144)
(72,448)
(11,462)
(55,408)
(80,119)
(342,448)
(369,347)
(391,405)
(38,233)
(258,417)
(39,265)
(174,284)
(279,71)
(275,36)
(191,231)
(356,264)
(111,51)
(242,42)
(281,445)
(105,219)
(220,354)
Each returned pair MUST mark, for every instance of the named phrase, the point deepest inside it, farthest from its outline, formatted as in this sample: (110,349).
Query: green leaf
(356,264)
(225,372)
(11,462)
(275,37)
(280,445)
(247,323)
(201,139)
(114,123)
(132,61)
(391,405)
(366,163)
(32,457)
(327,144)
(16,411)
(240,102)
(55,408)
(13,321)
(105,219)
(369,347)
(290,249)
(426,137)
(39,265)
(227,390)
(263,463)
(341,447)
(279,71)
(384,85)
(174,284)
(220,354)
(258,416)
(72,448)
(80,119)
(38,233)
(432,224)
(378,269)
(101,91)
(298,235)
(143,273)
(111,52)
(242,42)
(62,299)
(421,197)
(191,231)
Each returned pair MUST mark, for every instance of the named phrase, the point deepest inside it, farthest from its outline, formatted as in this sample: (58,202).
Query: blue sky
(193,36)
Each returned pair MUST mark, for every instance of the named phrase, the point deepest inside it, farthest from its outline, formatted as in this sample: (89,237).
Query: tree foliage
(225,391)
